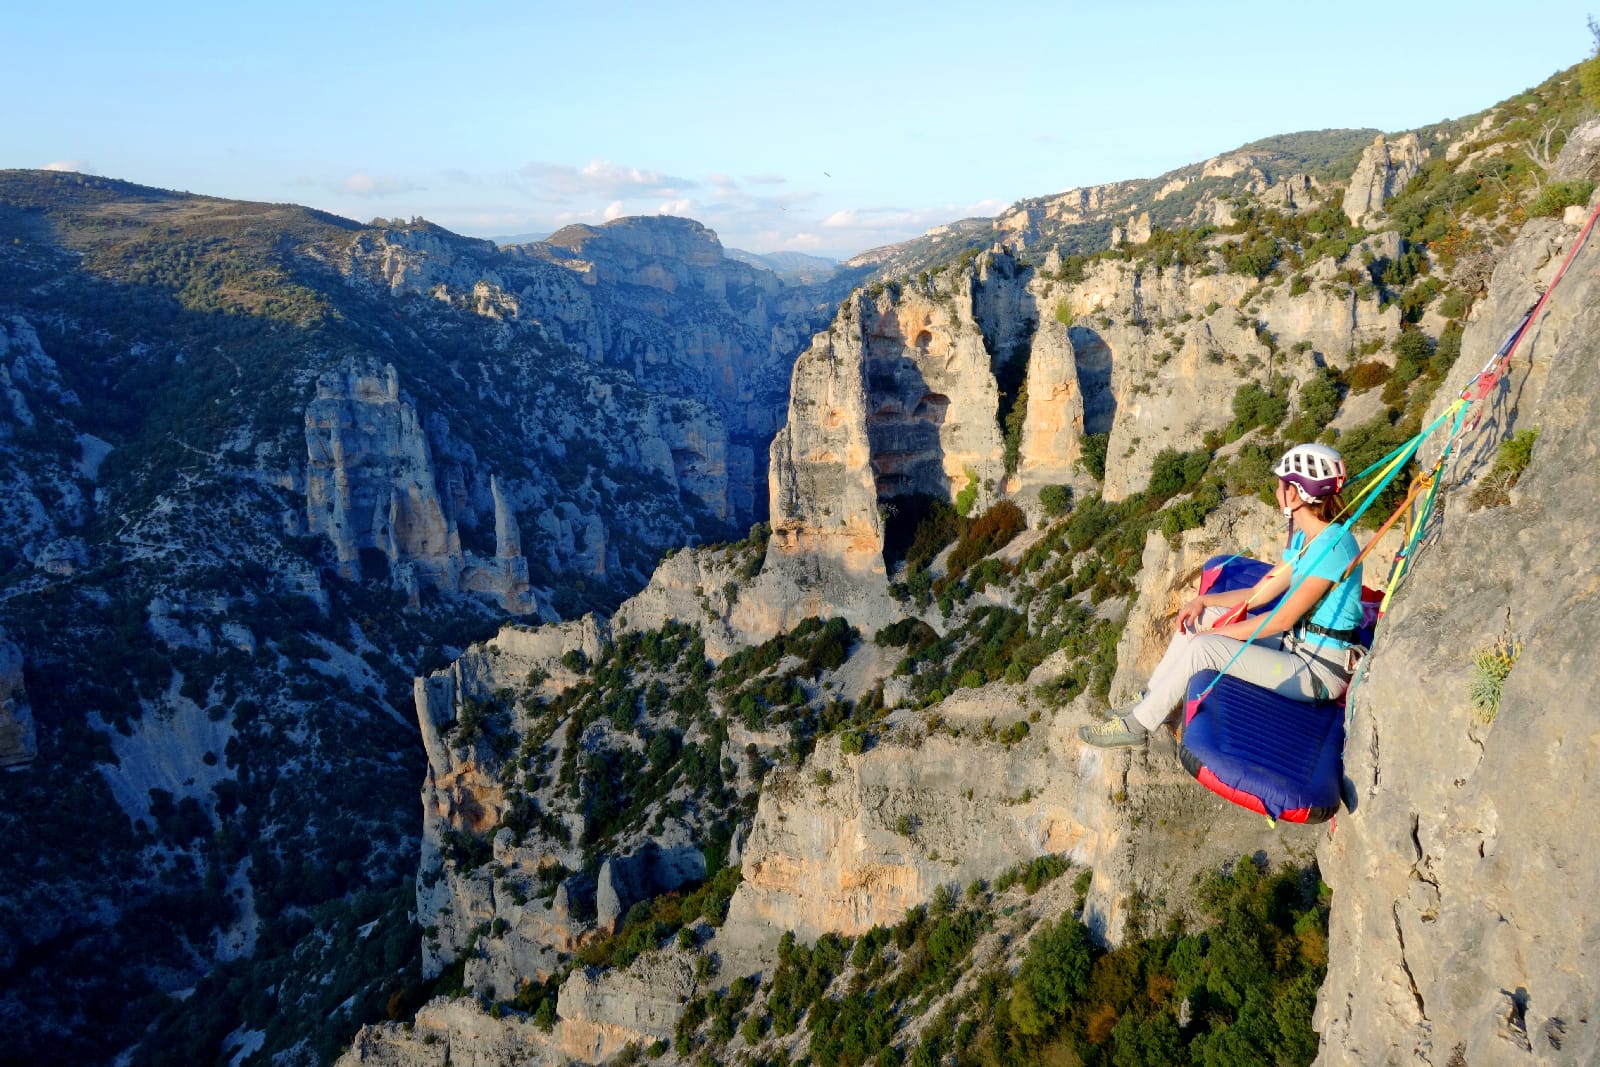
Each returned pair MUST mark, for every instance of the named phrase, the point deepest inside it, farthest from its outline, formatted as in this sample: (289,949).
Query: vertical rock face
(507,535)
(898,397)
(370,478)
(372,487)
(1055,425)
(931,391)
(1384,170)
(462,794)
(1464,875)
(18,742)
(1160,352)
(824,501)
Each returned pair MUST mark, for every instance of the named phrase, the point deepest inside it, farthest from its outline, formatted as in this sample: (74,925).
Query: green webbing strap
(1402,559)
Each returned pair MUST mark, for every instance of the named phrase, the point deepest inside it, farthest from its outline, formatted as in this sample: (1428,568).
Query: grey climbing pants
(1265,663)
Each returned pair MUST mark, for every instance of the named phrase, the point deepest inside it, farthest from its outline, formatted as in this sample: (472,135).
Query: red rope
(1490,375)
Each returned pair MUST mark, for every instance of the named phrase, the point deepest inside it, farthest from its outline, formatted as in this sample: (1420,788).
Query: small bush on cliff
(1515,453)
(1093,458)
(1368,375)
(1174,472)
(1491,666)
(1254,406)
(1558,196)
(1055,500)
(989,532)
(968,496)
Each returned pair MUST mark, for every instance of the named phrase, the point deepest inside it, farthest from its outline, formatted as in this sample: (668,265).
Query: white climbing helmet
(1315,470)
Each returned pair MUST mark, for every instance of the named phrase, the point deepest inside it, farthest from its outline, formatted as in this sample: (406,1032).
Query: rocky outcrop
(626,880)
(1385,168)
(370,479)
(1054,426)
(1461,874)
(18,743)
(602,1012)
(847,842)
(462,794)
(371,486)
(1160,352)
(448,1032)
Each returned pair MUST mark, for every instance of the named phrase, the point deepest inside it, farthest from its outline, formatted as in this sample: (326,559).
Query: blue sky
(822,127)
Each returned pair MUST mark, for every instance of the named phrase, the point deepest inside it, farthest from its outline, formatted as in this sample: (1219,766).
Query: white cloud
(766,179)
(614,210)
(684,207)
(560,182)
(360,184)
(71,166)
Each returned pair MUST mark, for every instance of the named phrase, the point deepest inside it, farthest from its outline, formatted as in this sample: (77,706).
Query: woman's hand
(1189,615)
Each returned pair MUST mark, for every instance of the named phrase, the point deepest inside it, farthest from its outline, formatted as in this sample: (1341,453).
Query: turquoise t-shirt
(1340,609)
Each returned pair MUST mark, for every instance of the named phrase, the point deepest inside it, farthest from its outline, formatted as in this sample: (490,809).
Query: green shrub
(1513,457)
(1053,976)
(1556,197)
(1056,500)
(1172,472)
(968,495)
(1093,459)
(1491,666)
(1455,304)
(1368,375)
(1063,314)
(1254,406)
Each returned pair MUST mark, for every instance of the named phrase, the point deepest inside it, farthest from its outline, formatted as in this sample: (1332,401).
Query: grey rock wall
(1462,927)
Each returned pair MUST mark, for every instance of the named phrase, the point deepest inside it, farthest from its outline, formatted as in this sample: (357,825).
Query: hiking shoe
(1110,734)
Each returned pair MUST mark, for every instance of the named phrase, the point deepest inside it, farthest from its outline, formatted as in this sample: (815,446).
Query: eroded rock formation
(1384,170)
(371,486)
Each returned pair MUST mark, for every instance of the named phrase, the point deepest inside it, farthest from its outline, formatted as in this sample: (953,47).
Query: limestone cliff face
(1462,876)
(453,1032)
(656,298)
(370,478)
(667,305)
(462,793)
(18,743)
(1160,352)
(1384,170)
(1055,420)
(371,485)
(1025,222)
(847,842)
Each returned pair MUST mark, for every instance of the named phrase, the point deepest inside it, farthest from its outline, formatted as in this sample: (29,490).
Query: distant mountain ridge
(790,266)
(1084,219)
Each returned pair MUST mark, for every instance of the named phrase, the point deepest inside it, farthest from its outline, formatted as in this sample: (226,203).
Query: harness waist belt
(1348,636)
